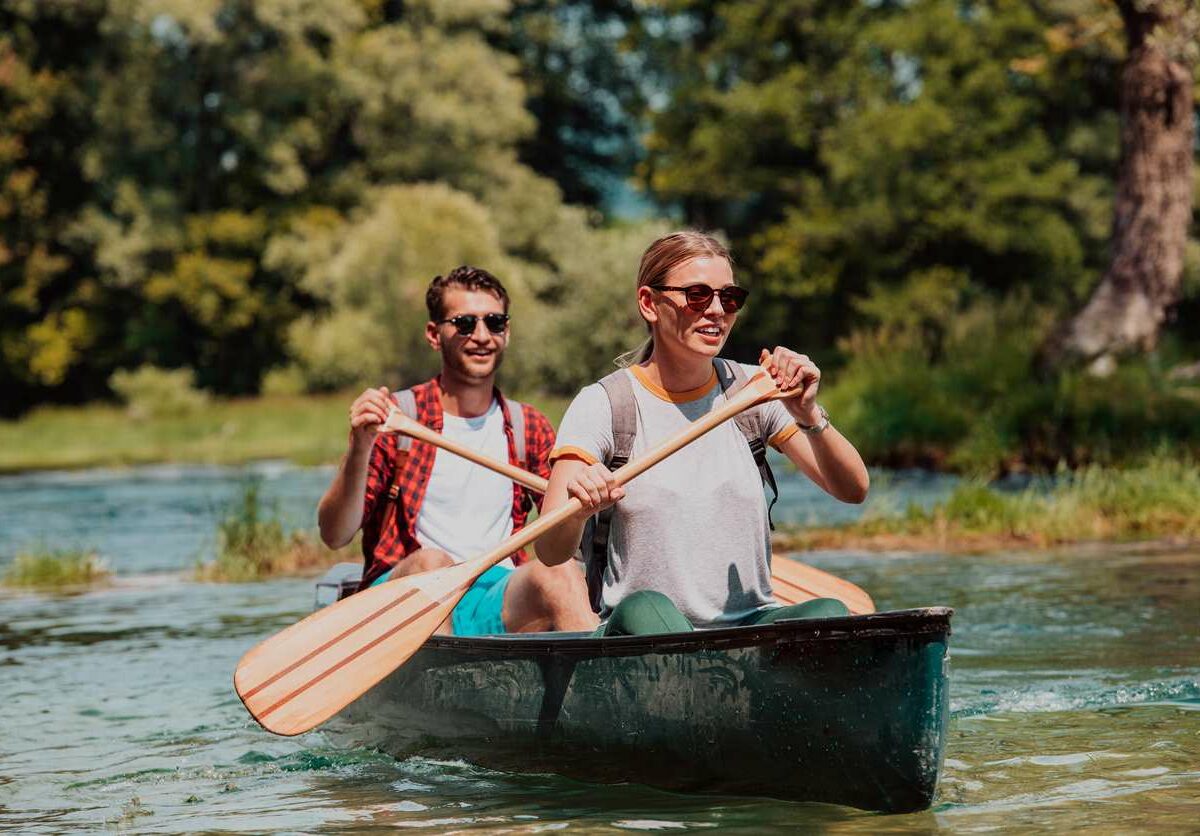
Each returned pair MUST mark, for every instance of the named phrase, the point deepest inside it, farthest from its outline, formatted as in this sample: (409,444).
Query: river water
(1075,687)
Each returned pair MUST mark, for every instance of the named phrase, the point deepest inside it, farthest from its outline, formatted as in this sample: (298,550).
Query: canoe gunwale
(885,625)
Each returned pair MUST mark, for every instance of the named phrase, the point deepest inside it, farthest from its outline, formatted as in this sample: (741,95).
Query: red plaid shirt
(396,481)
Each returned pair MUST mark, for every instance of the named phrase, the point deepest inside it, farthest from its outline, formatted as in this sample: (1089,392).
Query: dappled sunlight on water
(1075,697)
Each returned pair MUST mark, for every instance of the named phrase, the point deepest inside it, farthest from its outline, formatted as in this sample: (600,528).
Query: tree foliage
(234,186)
(248,187)
(853,147)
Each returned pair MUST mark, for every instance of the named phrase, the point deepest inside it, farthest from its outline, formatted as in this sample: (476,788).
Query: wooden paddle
(791,581)
(306,673)
(397,421)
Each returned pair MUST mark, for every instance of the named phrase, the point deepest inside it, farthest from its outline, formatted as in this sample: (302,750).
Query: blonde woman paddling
(689,540)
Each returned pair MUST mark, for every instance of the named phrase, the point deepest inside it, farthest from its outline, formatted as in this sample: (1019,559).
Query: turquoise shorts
(479,611)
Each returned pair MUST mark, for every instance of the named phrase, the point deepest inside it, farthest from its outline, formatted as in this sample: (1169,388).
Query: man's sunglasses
(699,296)
(464,324)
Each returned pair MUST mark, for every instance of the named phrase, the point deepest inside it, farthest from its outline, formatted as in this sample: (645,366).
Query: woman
(689,543)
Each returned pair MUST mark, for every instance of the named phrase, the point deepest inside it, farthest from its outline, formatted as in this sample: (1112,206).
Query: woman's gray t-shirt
(693,527)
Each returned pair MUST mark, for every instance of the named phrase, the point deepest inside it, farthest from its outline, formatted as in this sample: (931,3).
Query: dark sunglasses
(699,296)
(464,324)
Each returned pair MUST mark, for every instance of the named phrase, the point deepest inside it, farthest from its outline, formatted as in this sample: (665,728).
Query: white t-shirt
(467,510)
(693,527)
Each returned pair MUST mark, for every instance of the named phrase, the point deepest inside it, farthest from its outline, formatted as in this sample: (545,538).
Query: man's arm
(340,511)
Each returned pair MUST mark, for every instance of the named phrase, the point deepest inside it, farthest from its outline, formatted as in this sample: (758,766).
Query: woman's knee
(816,608)
(646,613)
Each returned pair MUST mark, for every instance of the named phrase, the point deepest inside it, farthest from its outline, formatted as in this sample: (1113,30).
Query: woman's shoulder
(591,402)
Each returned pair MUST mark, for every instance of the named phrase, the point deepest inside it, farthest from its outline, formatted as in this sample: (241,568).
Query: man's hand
(369,410)
(795,371)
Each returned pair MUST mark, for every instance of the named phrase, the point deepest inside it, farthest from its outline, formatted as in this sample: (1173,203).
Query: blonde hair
(659,259)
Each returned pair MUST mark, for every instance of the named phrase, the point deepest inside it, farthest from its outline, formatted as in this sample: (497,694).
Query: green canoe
(841,710)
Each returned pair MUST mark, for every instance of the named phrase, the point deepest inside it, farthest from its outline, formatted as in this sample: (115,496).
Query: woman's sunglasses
(464,324)
(699,296)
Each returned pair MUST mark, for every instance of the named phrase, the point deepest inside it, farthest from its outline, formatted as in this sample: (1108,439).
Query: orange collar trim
(673,397)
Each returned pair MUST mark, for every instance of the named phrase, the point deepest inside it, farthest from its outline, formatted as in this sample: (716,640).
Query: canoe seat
(340,581)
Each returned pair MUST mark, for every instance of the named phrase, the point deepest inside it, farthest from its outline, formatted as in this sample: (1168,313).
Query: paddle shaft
(419,431)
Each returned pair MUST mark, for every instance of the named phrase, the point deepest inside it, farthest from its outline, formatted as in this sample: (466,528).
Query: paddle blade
(795,582)
(303,675)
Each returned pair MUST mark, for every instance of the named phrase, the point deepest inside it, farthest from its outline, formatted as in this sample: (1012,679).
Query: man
(422,509)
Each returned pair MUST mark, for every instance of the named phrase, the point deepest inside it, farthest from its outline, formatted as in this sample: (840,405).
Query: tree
(583,83)
(852,148)
(1153,208)
(217,185)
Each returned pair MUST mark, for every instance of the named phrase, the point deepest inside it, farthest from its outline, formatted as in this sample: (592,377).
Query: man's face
(474,356)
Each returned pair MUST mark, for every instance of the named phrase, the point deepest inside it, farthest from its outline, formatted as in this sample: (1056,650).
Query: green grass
(304,429)
(56,570)
(1158,498)
(252,545)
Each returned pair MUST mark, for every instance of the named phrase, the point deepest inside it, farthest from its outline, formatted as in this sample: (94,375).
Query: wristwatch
(819,427)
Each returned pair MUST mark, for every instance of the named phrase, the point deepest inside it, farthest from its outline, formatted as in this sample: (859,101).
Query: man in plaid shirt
(421,509)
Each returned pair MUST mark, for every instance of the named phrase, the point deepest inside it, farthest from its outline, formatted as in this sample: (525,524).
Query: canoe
(846,710)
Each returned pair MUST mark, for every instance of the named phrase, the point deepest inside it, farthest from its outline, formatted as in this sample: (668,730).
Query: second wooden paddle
(306,673)
(792,581)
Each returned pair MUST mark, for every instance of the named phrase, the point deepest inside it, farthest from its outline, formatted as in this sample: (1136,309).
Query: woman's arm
(825,457)
(594,486)
(831,462)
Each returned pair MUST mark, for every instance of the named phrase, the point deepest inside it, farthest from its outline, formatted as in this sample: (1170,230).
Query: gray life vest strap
(619,389)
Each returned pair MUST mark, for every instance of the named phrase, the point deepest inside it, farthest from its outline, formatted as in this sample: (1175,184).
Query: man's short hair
(468,278)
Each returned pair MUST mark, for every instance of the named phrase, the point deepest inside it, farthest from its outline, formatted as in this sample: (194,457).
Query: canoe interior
(842,710)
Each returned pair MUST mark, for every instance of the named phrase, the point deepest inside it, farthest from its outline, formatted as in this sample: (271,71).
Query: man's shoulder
(535,419)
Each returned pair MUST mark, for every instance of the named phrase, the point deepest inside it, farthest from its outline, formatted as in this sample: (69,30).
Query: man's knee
(541,597)
(557,584)
(422,560)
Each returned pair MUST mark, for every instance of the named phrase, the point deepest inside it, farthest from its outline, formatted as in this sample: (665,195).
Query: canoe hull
(847,711)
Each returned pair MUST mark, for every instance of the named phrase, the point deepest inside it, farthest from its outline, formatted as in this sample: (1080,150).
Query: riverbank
(1156,500)
(306,430)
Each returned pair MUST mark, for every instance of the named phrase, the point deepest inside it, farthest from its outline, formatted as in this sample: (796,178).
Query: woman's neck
(678,374)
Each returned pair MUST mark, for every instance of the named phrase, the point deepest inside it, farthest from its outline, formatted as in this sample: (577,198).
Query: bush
(56,569)
(252,544)
(285,381)
(151,392)
(951,386)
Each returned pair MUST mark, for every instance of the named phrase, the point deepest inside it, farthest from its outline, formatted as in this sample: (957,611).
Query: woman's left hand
(795,371)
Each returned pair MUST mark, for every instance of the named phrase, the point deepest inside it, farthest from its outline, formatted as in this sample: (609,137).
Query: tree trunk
(1153,206)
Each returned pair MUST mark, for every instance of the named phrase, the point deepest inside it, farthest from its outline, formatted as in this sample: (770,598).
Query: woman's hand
(595,487)
(369,410)
(791,370)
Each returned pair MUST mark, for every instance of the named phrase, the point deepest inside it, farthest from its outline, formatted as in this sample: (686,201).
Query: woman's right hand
(595,487)
(369,410)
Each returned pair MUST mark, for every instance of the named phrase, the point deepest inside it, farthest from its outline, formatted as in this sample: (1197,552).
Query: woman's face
(675,325)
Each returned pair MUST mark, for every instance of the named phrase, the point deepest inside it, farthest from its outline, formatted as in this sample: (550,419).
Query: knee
(558,585)
(425,560)
(646,612)
(825,608)
(816,608)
